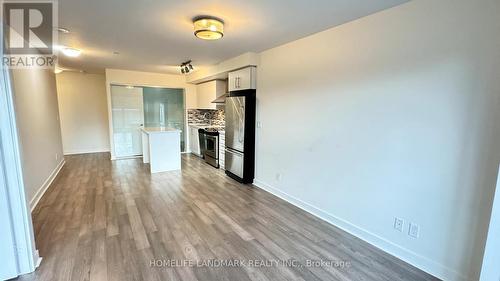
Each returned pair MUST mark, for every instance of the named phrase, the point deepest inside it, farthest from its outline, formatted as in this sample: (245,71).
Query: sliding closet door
(128,118)
(164,107)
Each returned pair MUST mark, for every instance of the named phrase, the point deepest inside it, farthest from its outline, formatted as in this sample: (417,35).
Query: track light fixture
(186,67)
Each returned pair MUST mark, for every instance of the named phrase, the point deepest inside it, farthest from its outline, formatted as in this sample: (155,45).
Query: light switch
(414,230)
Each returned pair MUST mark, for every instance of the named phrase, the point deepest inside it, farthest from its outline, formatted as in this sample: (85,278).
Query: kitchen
(226,109)
(220,129)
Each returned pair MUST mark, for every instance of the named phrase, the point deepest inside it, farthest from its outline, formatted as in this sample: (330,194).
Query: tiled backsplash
(206,116)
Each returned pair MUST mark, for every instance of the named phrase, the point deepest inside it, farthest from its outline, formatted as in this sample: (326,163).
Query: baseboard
(126,157)
(45,186)
(196,154)
(86,151)
(38,259)
(395,250)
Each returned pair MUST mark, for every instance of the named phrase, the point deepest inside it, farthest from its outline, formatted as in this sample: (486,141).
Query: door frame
(110,114)
(491,260)
(22,226)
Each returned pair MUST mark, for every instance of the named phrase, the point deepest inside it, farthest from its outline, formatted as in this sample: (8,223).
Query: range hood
(220,99)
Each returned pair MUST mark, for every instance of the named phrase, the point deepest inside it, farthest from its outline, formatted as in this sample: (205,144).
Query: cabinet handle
(239,84)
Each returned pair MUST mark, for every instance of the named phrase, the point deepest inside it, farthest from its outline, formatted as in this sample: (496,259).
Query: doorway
(17,243)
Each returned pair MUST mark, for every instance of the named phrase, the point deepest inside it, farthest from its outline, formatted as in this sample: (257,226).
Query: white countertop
(199,125)
(205,126)
(157,130)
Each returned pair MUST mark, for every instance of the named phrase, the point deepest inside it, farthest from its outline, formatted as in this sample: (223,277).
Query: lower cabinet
(194,140)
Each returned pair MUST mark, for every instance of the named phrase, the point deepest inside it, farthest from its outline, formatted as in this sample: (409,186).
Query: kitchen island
(161,148)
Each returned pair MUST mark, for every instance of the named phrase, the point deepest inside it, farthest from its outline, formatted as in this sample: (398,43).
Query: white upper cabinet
(209,91)
(242,79)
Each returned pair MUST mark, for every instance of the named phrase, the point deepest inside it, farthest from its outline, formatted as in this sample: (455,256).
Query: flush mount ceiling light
(208,28)
(58,70)
(71,52)
(186,67)
(63,30)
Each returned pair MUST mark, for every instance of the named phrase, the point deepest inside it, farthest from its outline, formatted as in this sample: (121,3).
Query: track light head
(186,67)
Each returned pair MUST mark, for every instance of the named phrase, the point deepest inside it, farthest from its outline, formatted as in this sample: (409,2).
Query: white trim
(21,218)
(45,185)
(395,250)
(38,259)
(126,157)
(490,269)
(86,151)
(110,118)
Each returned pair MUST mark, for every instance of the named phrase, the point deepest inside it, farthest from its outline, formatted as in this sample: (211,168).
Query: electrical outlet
(414,230)
(259,124)
(398,224)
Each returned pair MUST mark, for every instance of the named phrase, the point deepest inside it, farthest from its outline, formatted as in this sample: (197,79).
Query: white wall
(391,115)
(83,111)
(35,97)
(219,71)
(138,78)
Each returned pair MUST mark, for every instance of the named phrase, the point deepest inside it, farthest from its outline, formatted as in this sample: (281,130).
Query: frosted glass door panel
(128,118)
(164,107)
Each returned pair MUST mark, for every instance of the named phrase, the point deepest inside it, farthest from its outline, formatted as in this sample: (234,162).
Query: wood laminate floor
(112,220)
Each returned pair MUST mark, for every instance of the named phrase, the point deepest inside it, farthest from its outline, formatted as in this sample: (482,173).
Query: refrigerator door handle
(241,128)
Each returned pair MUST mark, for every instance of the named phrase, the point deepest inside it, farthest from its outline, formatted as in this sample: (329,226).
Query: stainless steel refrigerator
(240,135)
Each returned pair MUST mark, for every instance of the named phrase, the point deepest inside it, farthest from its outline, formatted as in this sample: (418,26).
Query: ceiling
(154,35)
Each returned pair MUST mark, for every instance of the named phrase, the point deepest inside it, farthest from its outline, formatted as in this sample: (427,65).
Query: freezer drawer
(234,162)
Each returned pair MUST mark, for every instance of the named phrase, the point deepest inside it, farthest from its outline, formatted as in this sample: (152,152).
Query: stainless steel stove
(209,144)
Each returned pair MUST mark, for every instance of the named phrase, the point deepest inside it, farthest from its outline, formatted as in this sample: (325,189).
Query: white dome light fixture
(71,52)
(63,30)
(208,28)
(58,70)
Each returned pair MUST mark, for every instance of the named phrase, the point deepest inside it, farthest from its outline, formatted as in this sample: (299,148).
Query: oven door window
(212,148)
(210,144)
